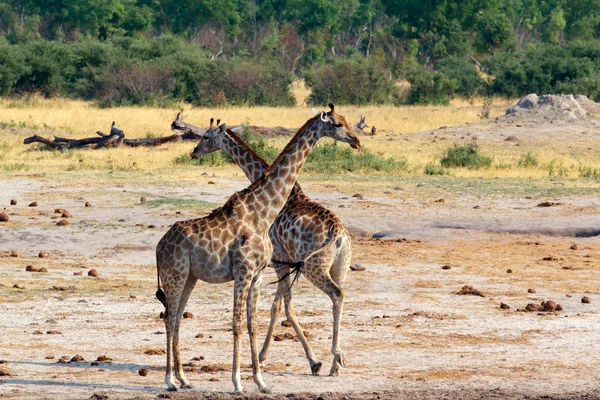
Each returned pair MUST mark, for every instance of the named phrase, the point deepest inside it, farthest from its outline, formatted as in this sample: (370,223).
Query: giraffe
(232,244)
(296,232)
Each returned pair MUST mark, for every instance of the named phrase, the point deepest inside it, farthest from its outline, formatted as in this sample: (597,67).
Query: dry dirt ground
(406,331)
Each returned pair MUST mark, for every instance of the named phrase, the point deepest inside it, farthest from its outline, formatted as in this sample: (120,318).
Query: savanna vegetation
(248,52)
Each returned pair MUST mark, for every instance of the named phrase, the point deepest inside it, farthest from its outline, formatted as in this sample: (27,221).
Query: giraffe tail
(160,294)
(297,266)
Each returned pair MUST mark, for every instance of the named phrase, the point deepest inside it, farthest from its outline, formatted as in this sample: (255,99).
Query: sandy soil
(406,331)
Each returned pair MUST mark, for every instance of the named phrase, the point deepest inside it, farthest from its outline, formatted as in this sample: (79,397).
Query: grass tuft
(467,156)
(331,158)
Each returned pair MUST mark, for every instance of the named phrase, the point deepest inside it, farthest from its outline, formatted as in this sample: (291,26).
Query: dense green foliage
(229,52)
(467,156)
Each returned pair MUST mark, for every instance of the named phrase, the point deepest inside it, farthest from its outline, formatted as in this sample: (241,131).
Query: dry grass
(396,137)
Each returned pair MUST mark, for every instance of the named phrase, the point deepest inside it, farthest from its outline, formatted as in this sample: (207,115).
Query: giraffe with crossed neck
(232,244)
(297,231)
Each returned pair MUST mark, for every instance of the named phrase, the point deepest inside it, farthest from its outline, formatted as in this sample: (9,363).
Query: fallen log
(151,141)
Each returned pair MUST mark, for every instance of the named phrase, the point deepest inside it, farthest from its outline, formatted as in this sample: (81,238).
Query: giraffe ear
(223,127)
(177,117)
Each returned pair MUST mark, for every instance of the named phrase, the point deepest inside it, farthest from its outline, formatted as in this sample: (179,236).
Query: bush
(331,158)
(355,81)
(468,156)
(434,169)
(462,70)
(428,87)
(12,66)
(528,160)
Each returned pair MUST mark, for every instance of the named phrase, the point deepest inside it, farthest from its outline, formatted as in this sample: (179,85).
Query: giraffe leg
(173,294)
(275,309)
(187,290)
(285,287)
(240,293)
(251,303)
(339,268)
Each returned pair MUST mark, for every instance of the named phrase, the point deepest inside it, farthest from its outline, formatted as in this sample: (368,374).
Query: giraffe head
(335,126)
(209,142)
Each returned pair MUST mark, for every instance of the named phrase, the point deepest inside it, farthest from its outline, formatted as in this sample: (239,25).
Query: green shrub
(355,81)
(432,168)
(331,158)
(12,66)
(468,156)
(429,87)
(528,160)
(462,70)
(589,172)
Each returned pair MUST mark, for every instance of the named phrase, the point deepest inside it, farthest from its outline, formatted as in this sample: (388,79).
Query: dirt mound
(564,106)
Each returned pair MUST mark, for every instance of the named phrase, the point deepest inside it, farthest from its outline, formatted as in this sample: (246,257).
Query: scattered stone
(504,306)
(530,290)
(143,372)
(574,247)
(13,253)
(77,273)
(142,200)
(213,379)
(131,296)
(77,358)
(38,332)
(447,267)
(62,222)
(88,204)
(439,201)
(94,363)
(50,357)
(470,290)
(286,323)
(43,269)
(93,272)
(151,226)
(199,335)
(42,254)
(154,352)
(208,368)
(357,267)
(552,258)
(97,396)
(3,217)
(512,139)
(63,288)
(586,300)
(13,202)
(66,215)
(358,195)
(559,307)
(54,332)
(509,271)
(31,268)
(16,286)
(212,183)
(4,372)
(549,306)
(33,204)
(200,358)
(188,314)
(549,204)
(532,307)
(104,359)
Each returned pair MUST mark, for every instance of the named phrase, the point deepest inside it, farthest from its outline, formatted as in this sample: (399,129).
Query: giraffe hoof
(172,389)
(266,390)
(186,386)
(315,368)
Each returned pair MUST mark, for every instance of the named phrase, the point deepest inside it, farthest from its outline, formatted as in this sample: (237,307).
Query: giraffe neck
(253,166)
(280,178)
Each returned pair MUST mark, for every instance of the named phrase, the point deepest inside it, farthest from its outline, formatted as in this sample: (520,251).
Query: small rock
(94,363)
(532,307)
(43,269)
(552,258)
(549,306)
(77,273)
(154,352)
(530,290)
(104,359)
(131,296)
(143,372)
(15,286)
(470,290)
(439,201)
(13,253)
(199,335)
(509,271)
(151,226)
(3,217)
(200,358)
(66,214)
(4,372)
(42,254)
(31,268)
(142,200)
(213,380)
(50,357)
(62,222)
(446,267)
(13,202)
(33,204)
(54,332)
(586,300)
(208,368)
(357,267)
(211,182)
(93,272)
(77,358)
(358,195)
(549,204)
(504,306)
(88,204)
(286,323)
(574,247)
(38,332)
(188,314)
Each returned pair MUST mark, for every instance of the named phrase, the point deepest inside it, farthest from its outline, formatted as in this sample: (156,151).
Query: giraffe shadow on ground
(108,366)
(42,382)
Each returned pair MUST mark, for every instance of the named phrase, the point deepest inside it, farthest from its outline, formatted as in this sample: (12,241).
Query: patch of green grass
(331,158)
(589,172)
(18,166)
(467,156)
(528,160)
(179,202)
(432,168)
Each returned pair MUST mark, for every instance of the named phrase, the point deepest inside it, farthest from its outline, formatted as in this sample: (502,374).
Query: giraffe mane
(246,148)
